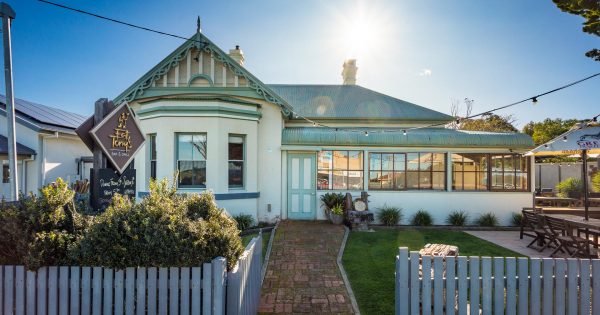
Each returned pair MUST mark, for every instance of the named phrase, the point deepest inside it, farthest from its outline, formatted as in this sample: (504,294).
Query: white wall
(440,203)
(60,157)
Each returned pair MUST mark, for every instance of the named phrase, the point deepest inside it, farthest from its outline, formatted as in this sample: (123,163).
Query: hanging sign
(119,136)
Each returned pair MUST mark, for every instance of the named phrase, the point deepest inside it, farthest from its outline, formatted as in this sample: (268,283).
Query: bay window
(191,160)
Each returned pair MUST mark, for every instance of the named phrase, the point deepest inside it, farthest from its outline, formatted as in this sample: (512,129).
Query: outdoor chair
(534,229)
(587,232)
(563,234)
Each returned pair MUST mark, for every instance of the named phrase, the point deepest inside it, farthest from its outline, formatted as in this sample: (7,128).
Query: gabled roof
(44,117)
(425,137)
(199,41)
(21,149)
(352,102)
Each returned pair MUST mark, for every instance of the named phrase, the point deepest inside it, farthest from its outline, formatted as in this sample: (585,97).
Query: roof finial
(198,29)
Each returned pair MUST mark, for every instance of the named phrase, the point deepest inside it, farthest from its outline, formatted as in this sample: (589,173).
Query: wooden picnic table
(591,226)
(556,201)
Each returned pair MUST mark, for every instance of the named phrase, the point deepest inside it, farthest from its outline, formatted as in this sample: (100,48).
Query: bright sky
(427,52)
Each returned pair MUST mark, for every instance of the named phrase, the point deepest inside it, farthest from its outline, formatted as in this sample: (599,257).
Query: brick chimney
(237,54)
(349,72)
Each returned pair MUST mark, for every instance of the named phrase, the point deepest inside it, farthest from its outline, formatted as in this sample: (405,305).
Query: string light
(366,133)
(534,99)
(564,139)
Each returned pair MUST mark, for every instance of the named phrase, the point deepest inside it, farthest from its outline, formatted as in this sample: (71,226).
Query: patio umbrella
(581,140)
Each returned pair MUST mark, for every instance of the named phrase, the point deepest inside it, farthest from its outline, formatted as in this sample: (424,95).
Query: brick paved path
(302,275)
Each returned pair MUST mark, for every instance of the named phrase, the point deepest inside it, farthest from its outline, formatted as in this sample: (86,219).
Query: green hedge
(162,229)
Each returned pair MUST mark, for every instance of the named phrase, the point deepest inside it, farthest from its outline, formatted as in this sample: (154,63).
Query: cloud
(425,72)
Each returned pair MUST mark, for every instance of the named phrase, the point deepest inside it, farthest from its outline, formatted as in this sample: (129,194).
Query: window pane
(339,179)
(340,160)
(497,180)
(374,180)
(509,180)
(152,169)
(355,180)
(482,180)
(457,162)
(236,148)
(412,161)
(521,180)
(400,180)
(439,180)
(470,181)
(323,179)
(424,180)
(236,174)
(386,180)
(412,180)
(199,148)
(374,161)
(509,163)
(399,162)
(439,162)
(355,160)
(387,162)
(425,161)
(324,158)
(457,181)
(184,146)
(152,147)
(497,163)
(192,173)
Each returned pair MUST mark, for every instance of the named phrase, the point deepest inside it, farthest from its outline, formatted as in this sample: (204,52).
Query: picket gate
(495,285)
(206,289)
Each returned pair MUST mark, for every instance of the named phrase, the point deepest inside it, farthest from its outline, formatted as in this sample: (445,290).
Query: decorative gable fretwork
(199,63)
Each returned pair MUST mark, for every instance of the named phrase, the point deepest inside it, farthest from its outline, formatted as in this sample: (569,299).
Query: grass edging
(263,272)
(343,272)
(446,227)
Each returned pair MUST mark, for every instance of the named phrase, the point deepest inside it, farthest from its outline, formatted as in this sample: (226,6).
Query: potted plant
(570,188)
(329,201)
(337,214)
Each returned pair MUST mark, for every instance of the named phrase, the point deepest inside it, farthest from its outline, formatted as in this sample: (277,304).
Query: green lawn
(369,260)
(265,240)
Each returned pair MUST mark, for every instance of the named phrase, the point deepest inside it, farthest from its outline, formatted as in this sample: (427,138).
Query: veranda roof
(426,137)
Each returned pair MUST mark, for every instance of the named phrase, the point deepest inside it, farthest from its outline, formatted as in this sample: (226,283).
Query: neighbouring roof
(21,149)
(426,137)
(44,117)
(351,102)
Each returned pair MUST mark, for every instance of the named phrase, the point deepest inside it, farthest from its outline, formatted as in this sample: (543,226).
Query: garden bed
(369,260)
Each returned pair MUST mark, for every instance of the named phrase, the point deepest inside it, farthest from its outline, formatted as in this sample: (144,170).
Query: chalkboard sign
(110,183)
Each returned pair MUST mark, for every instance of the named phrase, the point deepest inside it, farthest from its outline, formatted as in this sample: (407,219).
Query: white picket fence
(498,285)
(63,290)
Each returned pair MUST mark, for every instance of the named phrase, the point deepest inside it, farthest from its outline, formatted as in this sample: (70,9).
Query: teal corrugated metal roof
(351,102)
(426,137)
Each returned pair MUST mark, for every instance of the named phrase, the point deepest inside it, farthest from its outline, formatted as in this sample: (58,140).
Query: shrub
(487,219)
(337,209)
(389,215)
(568,186)
(457,218)
(422,218)
(243,221)
(40,230)
(596,182)
(516,219)
(164,229)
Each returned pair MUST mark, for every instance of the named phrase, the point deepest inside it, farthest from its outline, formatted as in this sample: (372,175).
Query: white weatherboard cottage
(47,146)
(221,128)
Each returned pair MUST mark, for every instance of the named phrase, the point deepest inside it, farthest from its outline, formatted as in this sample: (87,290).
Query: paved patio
(511,240)
(302,275)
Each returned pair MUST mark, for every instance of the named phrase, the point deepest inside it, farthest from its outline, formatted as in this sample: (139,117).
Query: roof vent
(349,72)
(237,54)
